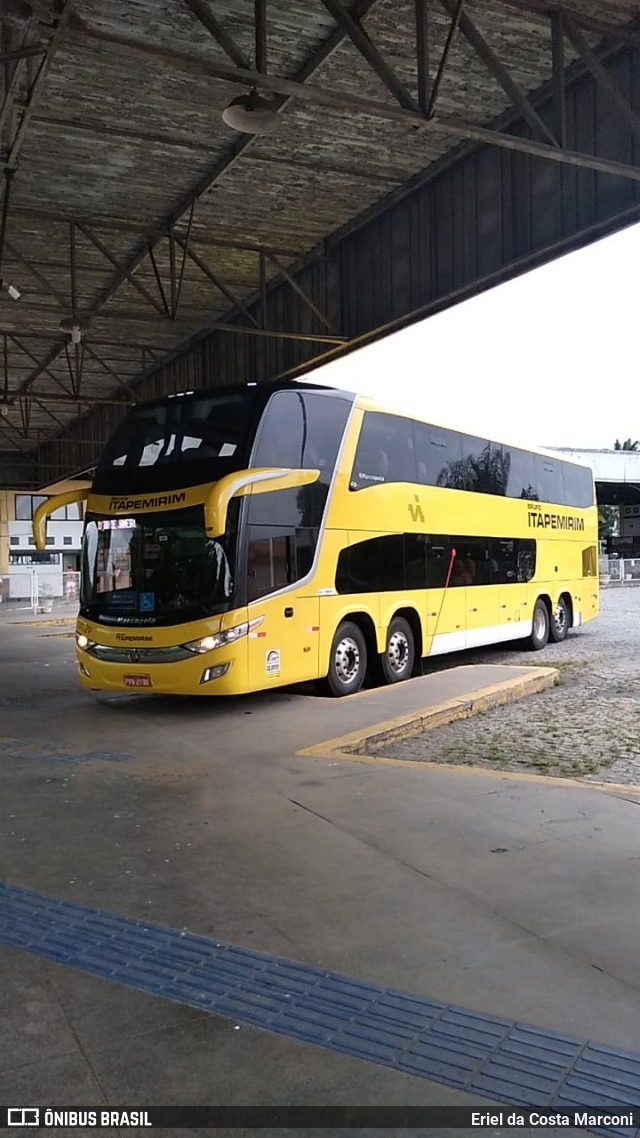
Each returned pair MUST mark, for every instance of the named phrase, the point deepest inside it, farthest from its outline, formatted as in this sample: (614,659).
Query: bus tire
(398,658)
(539,626)
(560,621)
(347,661)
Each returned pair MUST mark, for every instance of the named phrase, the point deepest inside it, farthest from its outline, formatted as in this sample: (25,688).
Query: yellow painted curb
(356,743)
(352,747)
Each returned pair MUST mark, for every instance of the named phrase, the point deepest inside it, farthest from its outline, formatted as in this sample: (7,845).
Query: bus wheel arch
(561,618)
(540,623)
(352,647)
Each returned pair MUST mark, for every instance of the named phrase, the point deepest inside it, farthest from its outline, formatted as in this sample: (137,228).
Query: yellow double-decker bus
(244,538)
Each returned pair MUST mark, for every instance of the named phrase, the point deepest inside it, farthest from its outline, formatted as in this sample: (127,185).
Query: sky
(548,359)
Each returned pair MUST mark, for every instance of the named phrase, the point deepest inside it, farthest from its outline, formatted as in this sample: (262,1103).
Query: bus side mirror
(45,509)
(261,480)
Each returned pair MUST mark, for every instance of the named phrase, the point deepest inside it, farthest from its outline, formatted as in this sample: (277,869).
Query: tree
(627,445)
(608,518)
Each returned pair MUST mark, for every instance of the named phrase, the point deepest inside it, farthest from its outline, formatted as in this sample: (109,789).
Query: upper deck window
(183,429)
(385,451)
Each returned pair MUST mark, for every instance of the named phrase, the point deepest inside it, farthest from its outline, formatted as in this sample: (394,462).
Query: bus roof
(365,402)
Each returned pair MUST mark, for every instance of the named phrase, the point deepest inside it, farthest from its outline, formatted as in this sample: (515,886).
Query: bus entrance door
(284,648)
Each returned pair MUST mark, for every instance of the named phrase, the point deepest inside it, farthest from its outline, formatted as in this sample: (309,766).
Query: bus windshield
(157,568)
(183,429)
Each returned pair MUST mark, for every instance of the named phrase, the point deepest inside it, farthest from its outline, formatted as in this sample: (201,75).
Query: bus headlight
(83,642)
(218,639)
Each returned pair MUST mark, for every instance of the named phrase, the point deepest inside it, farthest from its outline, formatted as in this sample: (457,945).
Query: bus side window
(438,454)
(385,451)
(437,562)
(504,564)
(526,559)
(475,556)
(522,478)
(578,485)
(589,562)
(550,479)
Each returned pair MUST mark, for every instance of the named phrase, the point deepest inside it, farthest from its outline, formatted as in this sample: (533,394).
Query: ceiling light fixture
(251,114)
(76,328)
(13,290)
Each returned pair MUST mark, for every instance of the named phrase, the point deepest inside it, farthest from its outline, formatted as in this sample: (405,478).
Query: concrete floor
(517,898)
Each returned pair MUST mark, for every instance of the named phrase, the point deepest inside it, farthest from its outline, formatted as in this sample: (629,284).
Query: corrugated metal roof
(121,136)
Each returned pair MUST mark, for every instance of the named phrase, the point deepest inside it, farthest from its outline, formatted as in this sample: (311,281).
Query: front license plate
(138,681)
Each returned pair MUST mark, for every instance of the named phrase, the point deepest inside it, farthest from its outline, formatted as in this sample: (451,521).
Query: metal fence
(40,590)
(620,570)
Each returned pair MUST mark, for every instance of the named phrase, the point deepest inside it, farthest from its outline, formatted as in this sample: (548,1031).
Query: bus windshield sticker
(273,662)
(147,602)
(125,597)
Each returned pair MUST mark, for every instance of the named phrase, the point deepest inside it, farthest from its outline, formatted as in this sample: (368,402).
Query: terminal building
(20,562)
(617,477)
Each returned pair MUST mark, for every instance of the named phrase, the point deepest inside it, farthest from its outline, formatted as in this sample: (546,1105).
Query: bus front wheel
(396,662)
(347,662)
(539,627)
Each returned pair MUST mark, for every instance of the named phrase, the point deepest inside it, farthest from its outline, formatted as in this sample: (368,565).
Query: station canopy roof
(135,219)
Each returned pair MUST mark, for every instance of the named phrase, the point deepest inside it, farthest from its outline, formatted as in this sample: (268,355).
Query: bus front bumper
(220,672)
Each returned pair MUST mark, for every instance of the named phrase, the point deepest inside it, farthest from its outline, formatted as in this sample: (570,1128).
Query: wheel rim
(398,652)
(347,660)
(560,618)
(539,624)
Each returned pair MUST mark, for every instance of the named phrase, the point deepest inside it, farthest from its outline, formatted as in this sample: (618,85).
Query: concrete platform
(512,899)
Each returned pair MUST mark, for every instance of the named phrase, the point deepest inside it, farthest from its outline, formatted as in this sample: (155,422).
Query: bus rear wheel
(539,626)
(560,620)
(397,660)
(347,661)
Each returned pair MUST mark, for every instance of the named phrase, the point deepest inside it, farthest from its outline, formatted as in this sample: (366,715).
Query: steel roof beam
(453,27)
(125,225)
(37,362)
(51,415)
(449,125)
(588,23)
(602,76)
(36,274)
(36,88)
(495,66)
(122,270)
(192,324)
(41,368)
(301,293)
(356,33)
(422,53)
(203,13)
(98,359)
(14,56)
(558,78)
(7,423)
(90,400)
(156,271)
(215,280)
(11,87)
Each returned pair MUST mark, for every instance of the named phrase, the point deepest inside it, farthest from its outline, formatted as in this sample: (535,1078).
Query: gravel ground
(586,727)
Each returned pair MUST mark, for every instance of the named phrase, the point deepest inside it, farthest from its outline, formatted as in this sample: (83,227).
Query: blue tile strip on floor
(496,1058)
